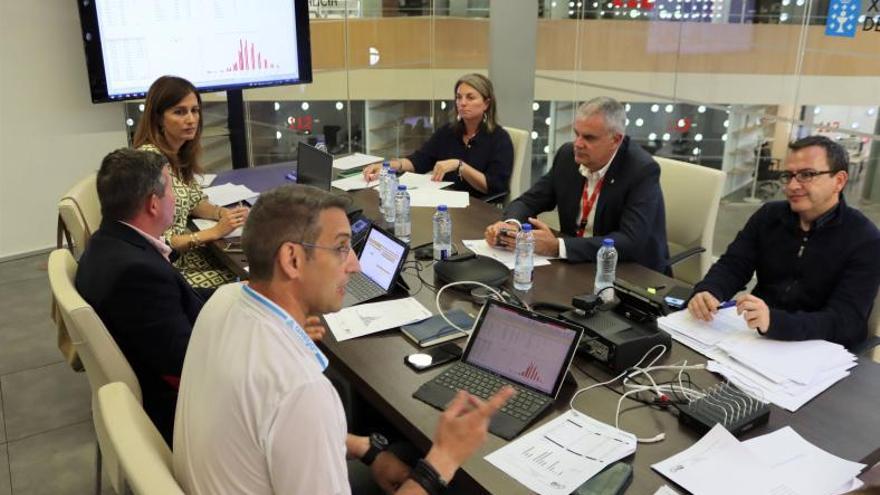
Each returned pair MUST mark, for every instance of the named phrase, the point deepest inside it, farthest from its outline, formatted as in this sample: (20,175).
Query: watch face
(379,441)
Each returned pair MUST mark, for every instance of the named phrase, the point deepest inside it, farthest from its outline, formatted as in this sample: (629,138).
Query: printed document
(558,457)
(481,247)
(365,319)
(205,224)
(354,161)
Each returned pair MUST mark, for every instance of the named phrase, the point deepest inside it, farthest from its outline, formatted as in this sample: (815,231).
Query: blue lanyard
(292,324)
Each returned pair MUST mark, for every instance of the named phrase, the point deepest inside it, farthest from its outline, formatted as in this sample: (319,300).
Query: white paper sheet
(205,180)
(365,319)
(227,194)
(354,161)
(354,182)
(718,464)
(665,490)
(561,455)
(805,468)
(205,224)
(430,198)
(420,181)
(481,247)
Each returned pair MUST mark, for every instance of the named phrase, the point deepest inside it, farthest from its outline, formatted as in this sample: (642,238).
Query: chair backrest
(101,357)
(80,213)
(519,176)
(145,457)
(691,194)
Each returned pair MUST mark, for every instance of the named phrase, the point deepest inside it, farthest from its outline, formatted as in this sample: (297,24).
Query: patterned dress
(198,266)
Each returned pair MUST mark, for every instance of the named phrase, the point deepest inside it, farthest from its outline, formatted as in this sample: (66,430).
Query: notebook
(313,167)
(509,346)
(381,259)
(436,330)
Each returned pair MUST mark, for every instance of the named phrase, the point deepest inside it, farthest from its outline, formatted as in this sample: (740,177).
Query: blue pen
(727,304)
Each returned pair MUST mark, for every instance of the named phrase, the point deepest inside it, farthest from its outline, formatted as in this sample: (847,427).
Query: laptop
(381,258)
(313,166)
(509,346)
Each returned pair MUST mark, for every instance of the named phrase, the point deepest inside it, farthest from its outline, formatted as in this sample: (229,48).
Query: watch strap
(428,478)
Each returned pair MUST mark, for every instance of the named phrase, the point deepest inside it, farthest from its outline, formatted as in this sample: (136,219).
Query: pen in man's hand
(727,304)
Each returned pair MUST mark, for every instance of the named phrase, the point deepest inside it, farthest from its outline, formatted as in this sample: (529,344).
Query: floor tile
(5,484)
(44,398)
(27,333)
(58,462)
(24,269)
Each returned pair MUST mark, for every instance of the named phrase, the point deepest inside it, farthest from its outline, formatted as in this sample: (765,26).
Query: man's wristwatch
(378,444)
(428,478)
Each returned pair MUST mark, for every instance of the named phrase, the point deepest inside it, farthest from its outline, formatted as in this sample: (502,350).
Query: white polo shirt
(255,412)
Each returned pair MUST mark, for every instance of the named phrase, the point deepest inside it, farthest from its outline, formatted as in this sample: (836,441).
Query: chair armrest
(685,255)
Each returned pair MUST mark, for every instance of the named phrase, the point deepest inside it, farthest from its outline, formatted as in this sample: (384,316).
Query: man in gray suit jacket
(604,186)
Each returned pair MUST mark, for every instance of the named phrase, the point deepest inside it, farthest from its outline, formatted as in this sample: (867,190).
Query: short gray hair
(285,214)
(610,109)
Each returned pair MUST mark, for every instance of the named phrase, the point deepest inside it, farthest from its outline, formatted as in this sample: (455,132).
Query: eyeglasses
(342,250)
(802,176)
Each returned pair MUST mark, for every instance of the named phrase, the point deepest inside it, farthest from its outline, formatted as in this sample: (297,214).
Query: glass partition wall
(718,83)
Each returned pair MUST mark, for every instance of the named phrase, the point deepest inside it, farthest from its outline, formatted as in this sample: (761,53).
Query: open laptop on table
(509,346)
(313,166)
(381,259)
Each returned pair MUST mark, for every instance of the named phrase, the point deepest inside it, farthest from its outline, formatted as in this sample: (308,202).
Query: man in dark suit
(604,186)
(126,275)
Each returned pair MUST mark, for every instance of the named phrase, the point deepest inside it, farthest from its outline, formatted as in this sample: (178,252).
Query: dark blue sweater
(819,284)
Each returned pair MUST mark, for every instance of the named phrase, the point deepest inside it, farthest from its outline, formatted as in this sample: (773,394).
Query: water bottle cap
(527,227)
(441,208)
(401,187)
(386,164)
(608,242)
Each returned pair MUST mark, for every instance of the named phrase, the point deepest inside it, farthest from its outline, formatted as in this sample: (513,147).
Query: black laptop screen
(522,347)
(382,257)
(314,167)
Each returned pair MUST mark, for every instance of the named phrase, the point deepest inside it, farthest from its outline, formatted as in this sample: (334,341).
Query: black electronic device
(613,480)
(619,338)
(509,346)
(314,167)
(470,267)
(237,45)
(381,259)
(433,357)
(734,409)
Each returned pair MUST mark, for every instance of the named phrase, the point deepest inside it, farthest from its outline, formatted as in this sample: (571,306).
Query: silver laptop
(381,259)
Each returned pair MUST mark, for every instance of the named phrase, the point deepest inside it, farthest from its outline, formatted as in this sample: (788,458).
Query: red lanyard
(588,203)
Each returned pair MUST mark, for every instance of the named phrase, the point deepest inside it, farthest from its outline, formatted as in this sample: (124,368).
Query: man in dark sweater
(813,255)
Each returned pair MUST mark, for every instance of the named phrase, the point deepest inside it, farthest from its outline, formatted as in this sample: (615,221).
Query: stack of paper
(779,463)
(561,455)
(354,182)
(227,194)
(481,247)
(421,181)
(787,374)
(430,198)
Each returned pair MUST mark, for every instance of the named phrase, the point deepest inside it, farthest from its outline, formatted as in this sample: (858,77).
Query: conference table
(842,420)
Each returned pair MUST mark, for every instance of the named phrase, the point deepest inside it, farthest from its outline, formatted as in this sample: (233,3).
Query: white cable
(461,282)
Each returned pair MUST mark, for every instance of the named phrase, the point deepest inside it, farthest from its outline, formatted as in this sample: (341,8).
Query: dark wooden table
(841,420)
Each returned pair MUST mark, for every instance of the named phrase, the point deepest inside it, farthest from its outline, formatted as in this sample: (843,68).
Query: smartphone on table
(433,357)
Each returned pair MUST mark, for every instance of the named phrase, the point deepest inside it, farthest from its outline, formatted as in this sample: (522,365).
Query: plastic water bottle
(442,233)
(402,226)
(383,185)
(524,258)
(390,195)
(606,268)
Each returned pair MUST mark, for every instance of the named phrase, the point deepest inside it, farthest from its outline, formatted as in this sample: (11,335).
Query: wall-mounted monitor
(217,44)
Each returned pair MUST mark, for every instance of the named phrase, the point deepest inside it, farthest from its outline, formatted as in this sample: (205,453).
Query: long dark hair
(164,93)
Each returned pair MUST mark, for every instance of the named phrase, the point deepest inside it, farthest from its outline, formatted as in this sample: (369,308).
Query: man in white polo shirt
(256,414)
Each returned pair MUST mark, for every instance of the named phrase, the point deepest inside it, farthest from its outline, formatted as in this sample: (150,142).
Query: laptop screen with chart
(534,352)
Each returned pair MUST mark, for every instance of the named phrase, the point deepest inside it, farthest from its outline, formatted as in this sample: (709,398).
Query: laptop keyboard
(524,405)
(363,288)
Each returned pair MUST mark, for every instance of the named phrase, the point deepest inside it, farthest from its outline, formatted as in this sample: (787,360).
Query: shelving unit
(388,134)
(747,130)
